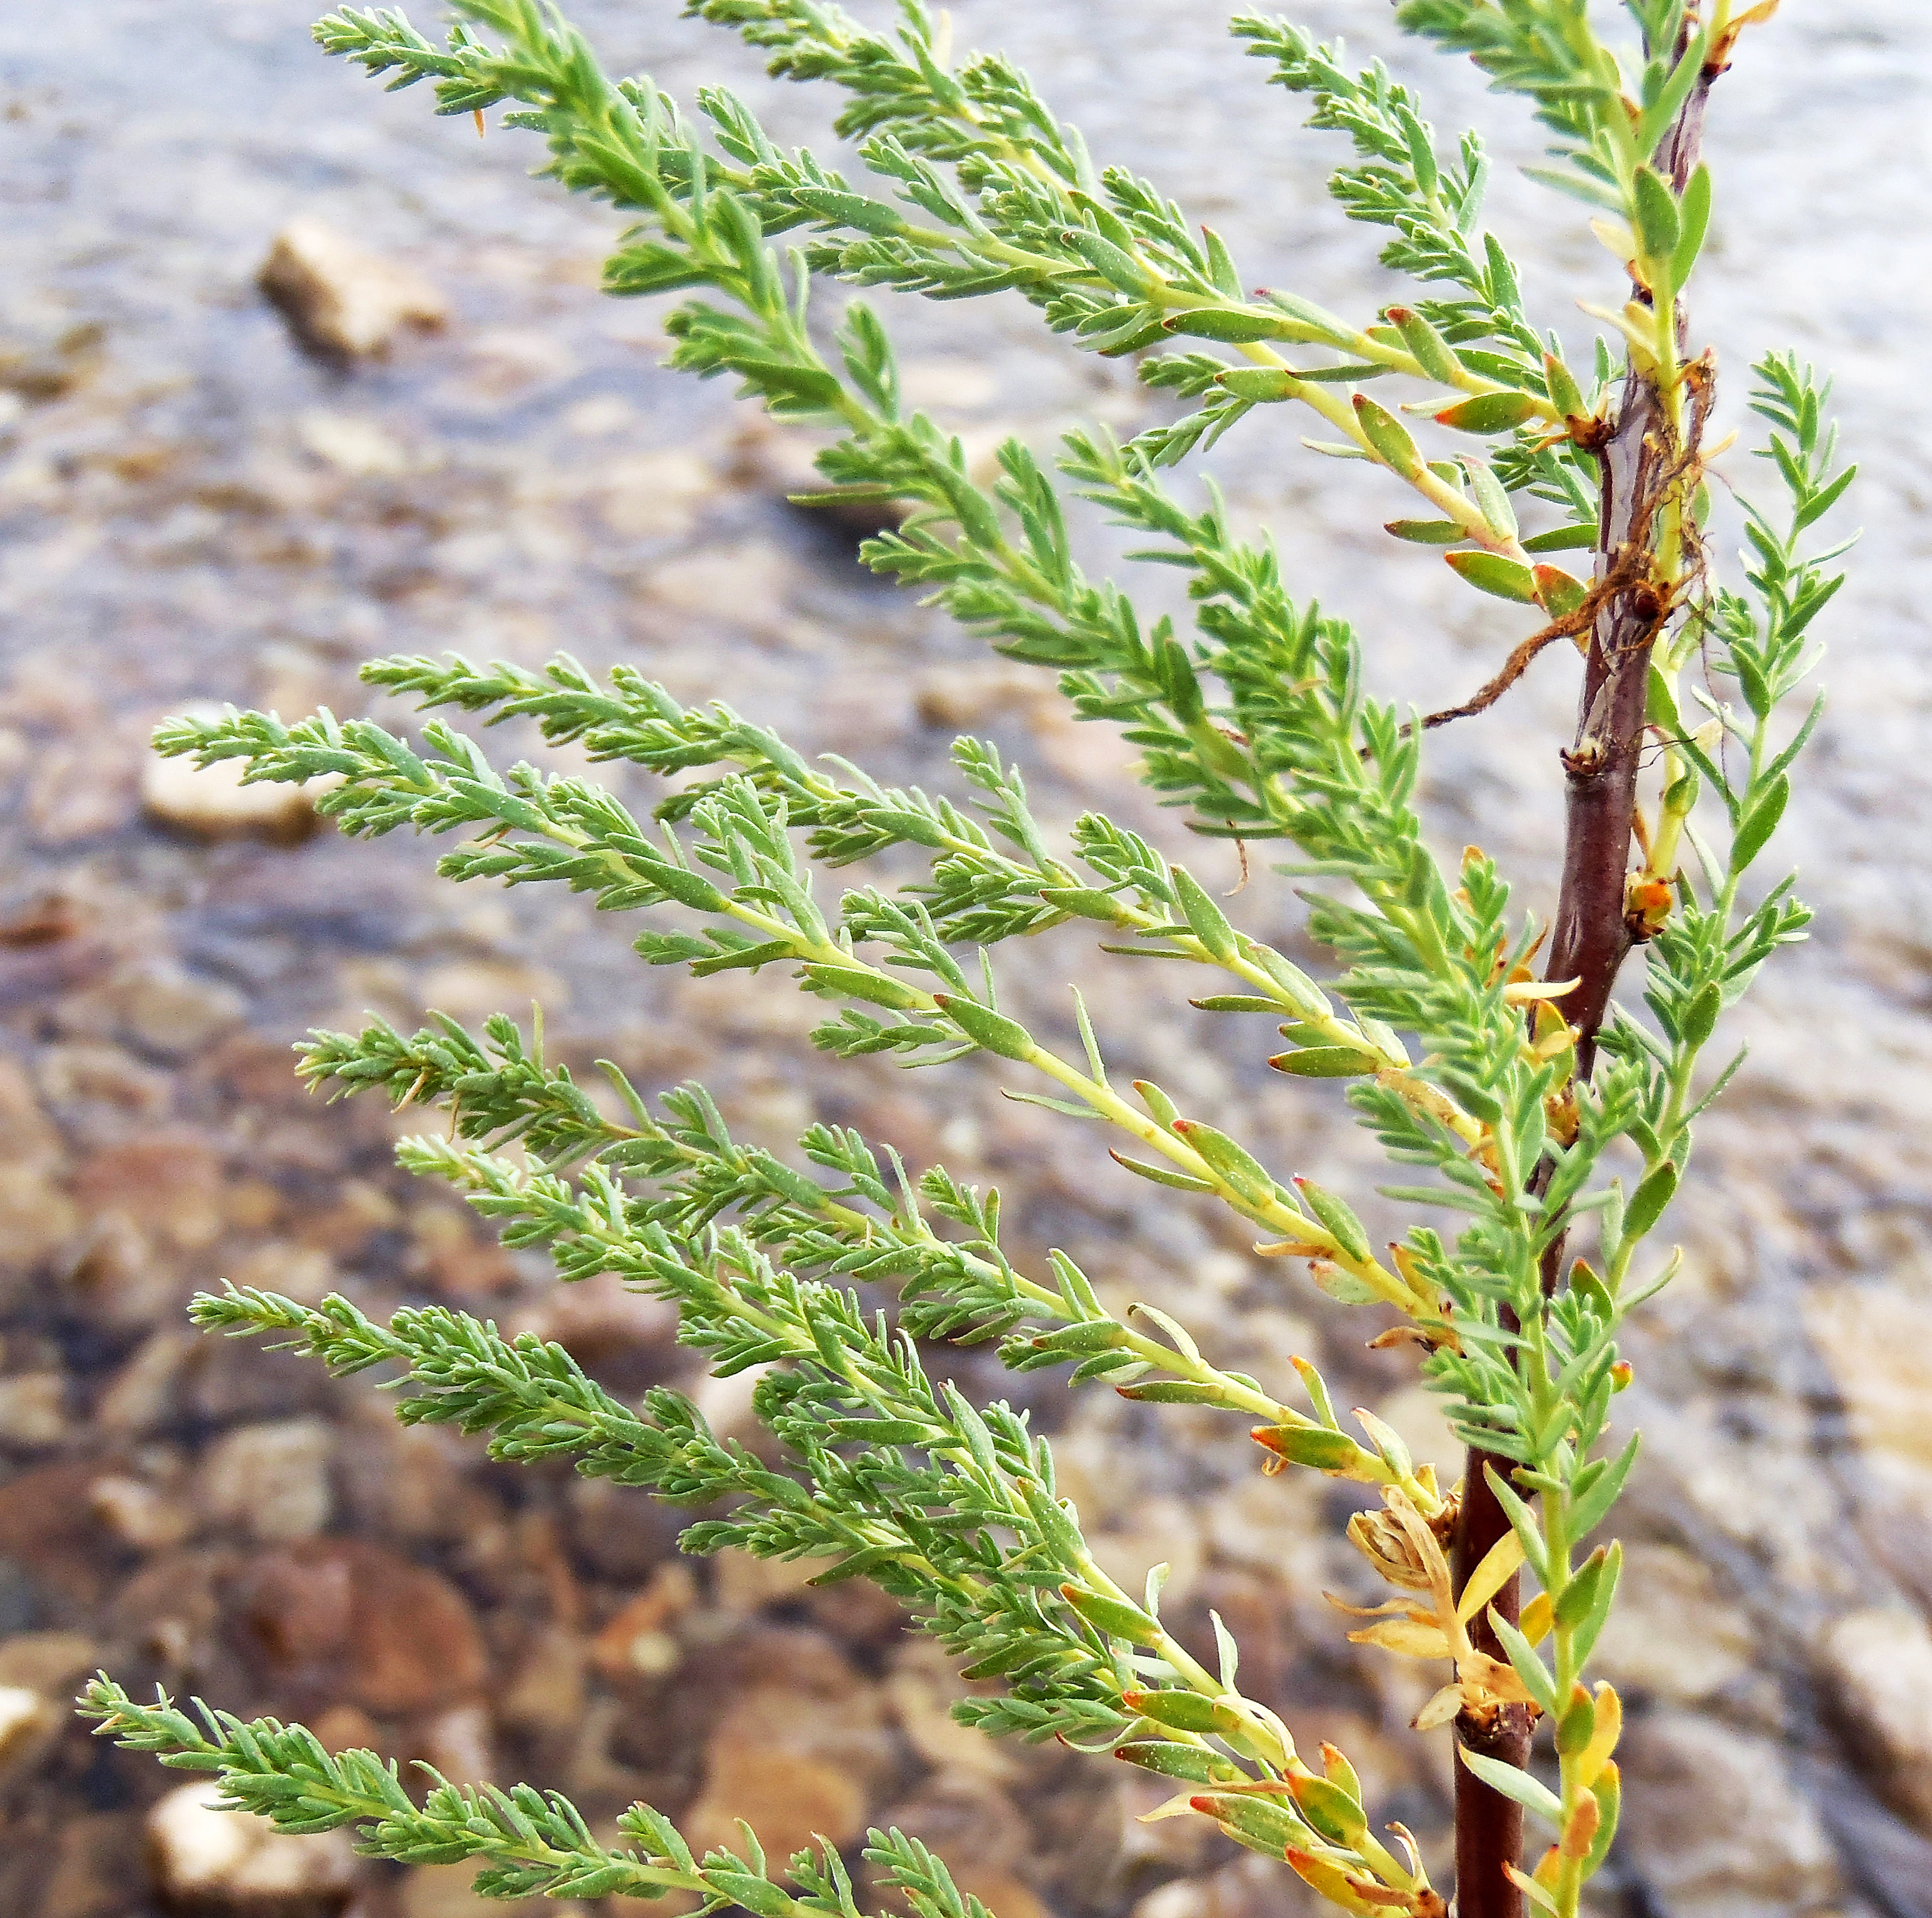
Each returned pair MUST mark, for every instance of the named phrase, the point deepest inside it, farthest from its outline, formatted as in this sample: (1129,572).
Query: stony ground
(192,508)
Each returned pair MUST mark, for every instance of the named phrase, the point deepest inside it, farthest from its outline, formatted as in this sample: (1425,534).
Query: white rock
(33,1408)
(207,1858)
(650,494)
(1877,1668)
(211,801)
(351,444)
(272,1479)
(1712,1819)
(137,1513)
(28,1725)
(461,1745)
(51,1663)
(1673,1634)
(341,298)
(168,1010)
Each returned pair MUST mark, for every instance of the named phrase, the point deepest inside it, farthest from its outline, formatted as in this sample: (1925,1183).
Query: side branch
(1632,565)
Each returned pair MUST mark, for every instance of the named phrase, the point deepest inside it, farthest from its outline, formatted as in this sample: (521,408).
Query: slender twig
(1631,566)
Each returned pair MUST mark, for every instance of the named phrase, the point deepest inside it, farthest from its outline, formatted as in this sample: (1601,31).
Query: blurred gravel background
(193,507)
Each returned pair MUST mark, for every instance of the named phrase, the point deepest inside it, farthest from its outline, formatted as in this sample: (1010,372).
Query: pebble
(166,1011)
(272,1481)
(948,382)
(649,496)
(352,445)
(787,1797)
(362,1623)
(470,990)
(138,1513)
(1672,1634)
(1715,1824)
(229,1864)
(33,1409)
(48,1662)
(80,793)
(167,1183)
(1250,1887)
(211,802)
(444,1891)
(771,458)
(546,1692)
(141,1395)
(923,1687)
(96,1858)
(1877,1668)
(51,366)
(28,1724)
(639,1638)
(37,1218)
(746,585)
(461,1743)
(970,696)
(340,299)
(102,1077)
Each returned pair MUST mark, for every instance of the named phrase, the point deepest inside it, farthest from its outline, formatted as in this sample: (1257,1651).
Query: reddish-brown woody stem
(1589,940)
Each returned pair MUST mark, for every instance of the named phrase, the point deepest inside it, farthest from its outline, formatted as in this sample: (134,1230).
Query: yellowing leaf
(1404,1637)
(1590,1761)
(1492,1682)
(1499,1564)
(1617,236)
(1535,1624)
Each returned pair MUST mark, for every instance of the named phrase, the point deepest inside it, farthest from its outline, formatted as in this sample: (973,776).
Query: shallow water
(190,507)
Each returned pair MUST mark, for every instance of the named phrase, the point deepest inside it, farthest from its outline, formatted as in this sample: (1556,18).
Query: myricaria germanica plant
(1542,1121)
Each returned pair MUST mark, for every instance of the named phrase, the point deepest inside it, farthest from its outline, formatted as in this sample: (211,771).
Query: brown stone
(167,1184)
(84,1075)
(37,1218)
(340,297)
(33,1409)
(96,1860)
(545,1696)
(138,1513)
(1876,1666)
(638,1639)
(788,1798)
(47,1524)
(923,1687)
(119,1276)
(51,1663)
(344,1617)
(141,1395)
(172,1612)
(27,1137)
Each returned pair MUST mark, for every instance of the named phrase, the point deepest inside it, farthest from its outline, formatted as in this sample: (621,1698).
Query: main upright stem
(1590,939)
